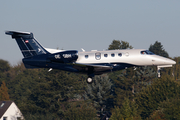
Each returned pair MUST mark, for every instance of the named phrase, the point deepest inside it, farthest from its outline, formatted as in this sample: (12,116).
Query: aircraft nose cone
(172,62)
(158,60)
(169,61)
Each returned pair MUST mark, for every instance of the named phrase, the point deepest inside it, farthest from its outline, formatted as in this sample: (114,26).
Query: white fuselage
(120,59)
(128,56)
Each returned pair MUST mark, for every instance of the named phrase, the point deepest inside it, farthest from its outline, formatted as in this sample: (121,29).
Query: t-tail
(27,43)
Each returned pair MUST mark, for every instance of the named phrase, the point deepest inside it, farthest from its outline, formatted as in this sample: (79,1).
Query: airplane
(91,63)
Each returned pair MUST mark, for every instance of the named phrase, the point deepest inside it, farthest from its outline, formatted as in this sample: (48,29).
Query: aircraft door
(98,56)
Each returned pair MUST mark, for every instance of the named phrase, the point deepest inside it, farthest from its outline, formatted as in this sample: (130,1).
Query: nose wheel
(89,80)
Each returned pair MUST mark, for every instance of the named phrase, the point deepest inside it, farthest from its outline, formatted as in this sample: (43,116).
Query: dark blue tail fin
(27,43)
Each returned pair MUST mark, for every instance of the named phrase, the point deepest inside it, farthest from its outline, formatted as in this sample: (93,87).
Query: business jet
(91,63)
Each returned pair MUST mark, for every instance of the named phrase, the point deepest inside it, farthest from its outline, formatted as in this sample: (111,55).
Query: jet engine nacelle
(64,57)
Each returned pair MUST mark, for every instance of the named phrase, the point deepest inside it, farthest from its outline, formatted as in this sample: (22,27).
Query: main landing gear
(90,74)
(89,80)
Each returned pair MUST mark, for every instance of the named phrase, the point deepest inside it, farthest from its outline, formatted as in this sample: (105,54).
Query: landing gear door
(159,68)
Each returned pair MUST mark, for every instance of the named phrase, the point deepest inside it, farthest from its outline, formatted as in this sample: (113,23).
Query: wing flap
(92,68)
(93,65)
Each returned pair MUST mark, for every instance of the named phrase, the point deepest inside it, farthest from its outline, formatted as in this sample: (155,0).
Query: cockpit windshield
(147,52)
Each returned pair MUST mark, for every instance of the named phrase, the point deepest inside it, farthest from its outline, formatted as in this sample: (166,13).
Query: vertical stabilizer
(27,43)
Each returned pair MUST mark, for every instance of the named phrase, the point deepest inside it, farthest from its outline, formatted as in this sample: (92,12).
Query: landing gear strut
(159,71)
(159,68)
(90,74)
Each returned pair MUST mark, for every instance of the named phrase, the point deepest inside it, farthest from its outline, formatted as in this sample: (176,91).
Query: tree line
(122,95)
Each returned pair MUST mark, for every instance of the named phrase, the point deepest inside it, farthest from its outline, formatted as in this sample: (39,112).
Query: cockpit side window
(143,52)
(147,52)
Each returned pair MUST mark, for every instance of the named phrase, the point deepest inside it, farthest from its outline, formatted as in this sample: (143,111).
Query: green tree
(123,85)
(122,79)
(170,108)
(4,68)
(53,90)
(160,90)
(129,82)
(39,116)
(158,49)
(80,111)
(4,92)
(100,93)
(128,111)
(174,71)
(38,92)
(116,44)
(156,115)
(4,65)
(144,77)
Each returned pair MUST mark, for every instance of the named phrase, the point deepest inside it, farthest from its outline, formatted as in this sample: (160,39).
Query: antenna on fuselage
(83,50)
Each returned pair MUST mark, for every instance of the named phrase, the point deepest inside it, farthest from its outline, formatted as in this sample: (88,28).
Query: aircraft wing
(96,69)
(92,65)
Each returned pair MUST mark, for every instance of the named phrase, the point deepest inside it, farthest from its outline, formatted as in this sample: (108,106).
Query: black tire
(89,80)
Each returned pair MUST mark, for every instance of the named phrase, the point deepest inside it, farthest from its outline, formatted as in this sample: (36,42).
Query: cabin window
(86,56)
(119,54)
(105,55)
(112,55)
(98,56)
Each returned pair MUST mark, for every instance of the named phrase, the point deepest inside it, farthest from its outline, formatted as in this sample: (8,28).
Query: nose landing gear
(159,71)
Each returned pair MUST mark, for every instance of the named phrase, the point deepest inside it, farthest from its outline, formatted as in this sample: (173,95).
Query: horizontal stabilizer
(92,65)
(15,34)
